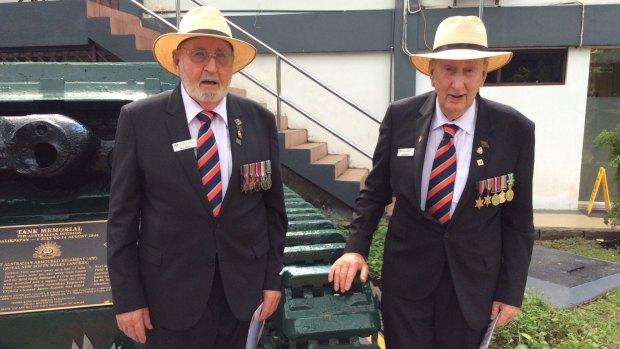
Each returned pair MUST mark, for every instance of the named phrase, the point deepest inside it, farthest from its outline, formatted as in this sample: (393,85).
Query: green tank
(57,126)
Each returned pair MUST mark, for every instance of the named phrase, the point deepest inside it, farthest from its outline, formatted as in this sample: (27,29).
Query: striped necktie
(209,161)
(443,174)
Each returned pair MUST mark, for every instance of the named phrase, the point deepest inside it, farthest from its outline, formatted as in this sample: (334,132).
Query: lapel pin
(239,130)
(479,150)
(484,144)
(419,139)
(480,162)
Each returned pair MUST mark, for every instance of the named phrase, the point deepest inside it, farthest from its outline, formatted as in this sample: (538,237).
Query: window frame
(562,51)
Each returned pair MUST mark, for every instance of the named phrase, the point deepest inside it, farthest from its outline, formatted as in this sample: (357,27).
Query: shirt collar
(467,122)
(192,107)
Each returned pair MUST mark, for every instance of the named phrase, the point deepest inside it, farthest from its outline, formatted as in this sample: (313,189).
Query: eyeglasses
(198,55)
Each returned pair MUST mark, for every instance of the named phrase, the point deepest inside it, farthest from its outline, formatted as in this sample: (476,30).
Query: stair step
(283,122)
(238,91)
(94,9)
(293,137)
(340,162)
(317,150)
(122,23)
(354,175)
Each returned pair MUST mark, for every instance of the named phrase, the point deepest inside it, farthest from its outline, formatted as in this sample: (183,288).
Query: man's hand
(133,324)
(507,313)
(345,268)
(271,299)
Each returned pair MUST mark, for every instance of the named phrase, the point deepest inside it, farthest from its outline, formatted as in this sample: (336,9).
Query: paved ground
(565,279)
(573,219)
(554,225)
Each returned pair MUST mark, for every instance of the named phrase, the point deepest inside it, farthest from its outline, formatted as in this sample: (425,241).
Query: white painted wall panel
(362,77)
(277,5)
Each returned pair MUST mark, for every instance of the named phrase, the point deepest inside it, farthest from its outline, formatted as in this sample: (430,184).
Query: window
(531,67)
(602,113)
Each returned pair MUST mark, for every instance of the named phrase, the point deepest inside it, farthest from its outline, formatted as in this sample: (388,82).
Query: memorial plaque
(53,266)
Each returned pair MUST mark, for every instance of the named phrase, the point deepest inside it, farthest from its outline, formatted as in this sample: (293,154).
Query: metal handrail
(278,94)
(155,15)
(308,115)
(299,69)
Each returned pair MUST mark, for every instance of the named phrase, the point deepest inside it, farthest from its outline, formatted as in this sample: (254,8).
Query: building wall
(363,77)
(557,110)
(277,5)
(355,46)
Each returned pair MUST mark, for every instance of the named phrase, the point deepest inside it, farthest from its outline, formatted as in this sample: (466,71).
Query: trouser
(433,322)
(218,328)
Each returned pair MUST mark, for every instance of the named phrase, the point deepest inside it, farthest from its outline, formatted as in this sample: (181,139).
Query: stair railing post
(178,8)
(279,91)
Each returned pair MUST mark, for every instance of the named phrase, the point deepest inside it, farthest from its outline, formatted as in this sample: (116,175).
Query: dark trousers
(429,323)
(218,328)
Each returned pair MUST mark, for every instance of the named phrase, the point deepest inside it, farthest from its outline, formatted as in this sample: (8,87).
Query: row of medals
(256,176)
(500,195)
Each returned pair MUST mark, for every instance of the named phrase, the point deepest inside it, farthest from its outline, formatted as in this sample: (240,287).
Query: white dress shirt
(219,125)
(463,142)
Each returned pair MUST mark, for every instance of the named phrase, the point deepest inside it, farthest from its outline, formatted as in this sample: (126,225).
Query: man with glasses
(197,222)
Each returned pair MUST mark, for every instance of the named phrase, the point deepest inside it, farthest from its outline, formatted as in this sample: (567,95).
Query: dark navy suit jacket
(487,249)
(162,237)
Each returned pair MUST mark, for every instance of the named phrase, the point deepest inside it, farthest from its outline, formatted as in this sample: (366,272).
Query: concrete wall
(557,110)
(506,3)
(278,5)
(362,77)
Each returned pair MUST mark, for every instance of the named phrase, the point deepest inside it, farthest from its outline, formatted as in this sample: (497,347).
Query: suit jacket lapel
(179,131)
(423,124)
(234,115)
(477,171)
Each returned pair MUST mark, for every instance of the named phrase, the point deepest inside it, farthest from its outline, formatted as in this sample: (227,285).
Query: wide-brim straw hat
(202,21)
(461,38)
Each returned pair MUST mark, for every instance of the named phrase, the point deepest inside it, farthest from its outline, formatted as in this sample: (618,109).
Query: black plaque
(53,266)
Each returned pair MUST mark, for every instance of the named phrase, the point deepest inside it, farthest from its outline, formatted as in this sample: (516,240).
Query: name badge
(188,144)
(406,152)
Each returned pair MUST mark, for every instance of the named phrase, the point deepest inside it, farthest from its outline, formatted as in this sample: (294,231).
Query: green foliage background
(611,139)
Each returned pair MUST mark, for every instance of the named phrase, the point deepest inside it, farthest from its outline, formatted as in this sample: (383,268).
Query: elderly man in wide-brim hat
(197,222)
(460,168)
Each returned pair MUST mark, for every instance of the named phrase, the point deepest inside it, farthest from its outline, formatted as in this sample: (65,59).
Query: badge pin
(484,144)
(239,130)
(419,139)
(480,162)
(479,150)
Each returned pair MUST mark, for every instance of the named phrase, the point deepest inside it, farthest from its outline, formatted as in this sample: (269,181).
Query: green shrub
(540,326)
(611,139)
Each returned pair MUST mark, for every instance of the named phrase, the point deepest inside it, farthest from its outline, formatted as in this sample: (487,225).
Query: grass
(583,247)
(595,325)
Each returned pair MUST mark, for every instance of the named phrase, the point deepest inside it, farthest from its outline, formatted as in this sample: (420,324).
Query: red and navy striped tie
(443,174)
(209,161)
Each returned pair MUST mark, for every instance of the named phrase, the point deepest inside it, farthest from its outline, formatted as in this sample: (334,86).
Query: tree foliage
(611,140)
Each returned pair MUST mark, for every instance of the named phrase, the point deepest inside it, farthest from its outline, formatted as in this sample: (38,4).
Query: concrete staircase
(311,160)
(120,24)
